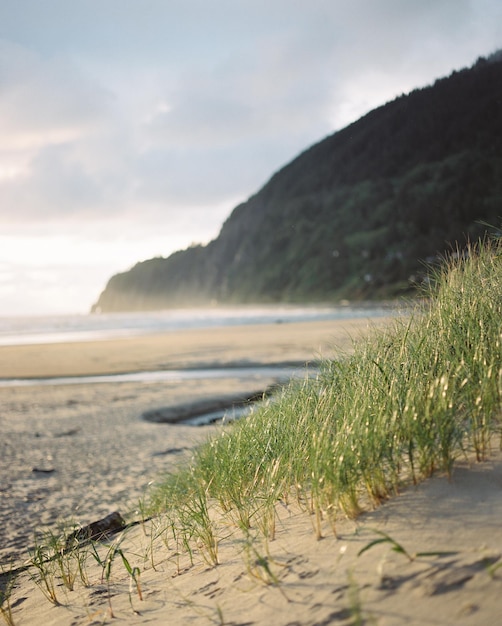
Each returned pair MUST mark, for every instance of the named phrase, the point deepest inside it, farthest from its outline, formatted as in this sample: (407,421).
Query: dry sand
(101,457)
(318,582)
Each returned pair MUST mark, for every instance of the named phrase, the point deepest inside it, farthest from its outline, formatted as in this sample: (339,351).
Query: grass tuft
(408,401)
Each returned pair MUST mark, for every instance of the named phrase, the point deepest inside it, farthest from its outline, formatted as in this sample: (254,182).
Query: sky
(131,128)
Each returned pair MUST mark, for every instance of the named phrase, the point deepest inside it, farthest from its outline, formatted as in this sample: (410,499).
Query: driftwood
(96,530)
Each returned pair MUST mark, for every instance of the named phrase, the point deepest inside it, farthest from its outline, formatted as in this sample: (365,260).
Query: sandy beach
(262,344)
(81,451)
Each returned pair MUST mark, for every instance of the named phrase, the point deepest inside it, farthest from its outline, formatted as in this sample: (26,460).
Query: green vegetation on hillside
(354,216)
(410,400)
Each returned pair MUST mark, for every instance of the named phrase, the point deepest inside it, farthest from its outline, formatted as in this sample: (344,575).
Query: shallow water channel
(206,412)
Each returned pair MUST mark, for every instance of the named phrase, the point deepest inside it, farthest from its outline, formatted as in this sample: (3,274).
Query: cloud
(44,101)
(171,104)
(48,109)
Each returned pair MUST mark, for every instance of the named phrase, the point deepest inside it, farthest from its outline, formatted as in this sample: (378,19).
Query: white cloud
(44,101)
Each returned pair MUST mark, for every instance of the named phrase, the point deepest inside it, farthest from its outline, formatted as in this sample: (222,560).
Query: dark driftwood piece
(96,530)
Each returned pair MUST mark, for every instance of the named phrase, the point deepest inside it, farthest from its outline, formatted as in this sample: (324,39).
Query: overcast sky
(131,128)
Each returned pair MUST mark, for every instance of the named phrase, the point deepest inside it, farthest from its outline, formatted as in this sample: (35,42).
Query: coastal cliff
(358,215)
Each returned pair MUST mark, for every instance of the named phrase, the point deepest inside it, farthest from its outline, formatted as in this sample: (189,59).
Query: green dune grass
(408,401)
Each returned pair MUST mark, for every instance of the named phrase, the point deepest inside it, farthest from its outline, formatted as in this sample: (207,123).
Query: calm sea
(61,328)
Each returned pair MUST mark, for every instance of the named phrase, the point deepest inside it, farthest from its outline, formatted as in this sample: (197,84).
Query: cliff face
(354,216)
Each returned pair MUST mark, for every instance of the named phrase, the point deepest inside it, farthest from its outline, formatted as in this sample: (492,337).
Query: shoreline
(267,344)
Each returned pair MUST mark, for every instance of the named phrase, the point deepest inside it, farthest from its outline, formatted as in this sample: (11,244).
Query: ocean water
(62,328)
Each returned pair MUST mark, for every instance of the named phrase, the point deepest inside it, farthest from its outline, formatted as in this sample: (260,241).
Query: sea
(23,330)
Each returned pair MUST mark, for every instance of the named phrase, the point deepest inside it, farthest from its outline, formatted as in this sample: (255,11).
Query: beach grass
(408,401)
(7,582)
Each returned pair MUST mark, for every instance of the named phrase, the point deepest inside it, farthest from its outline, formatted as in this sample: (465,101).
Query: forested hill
(354,216)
